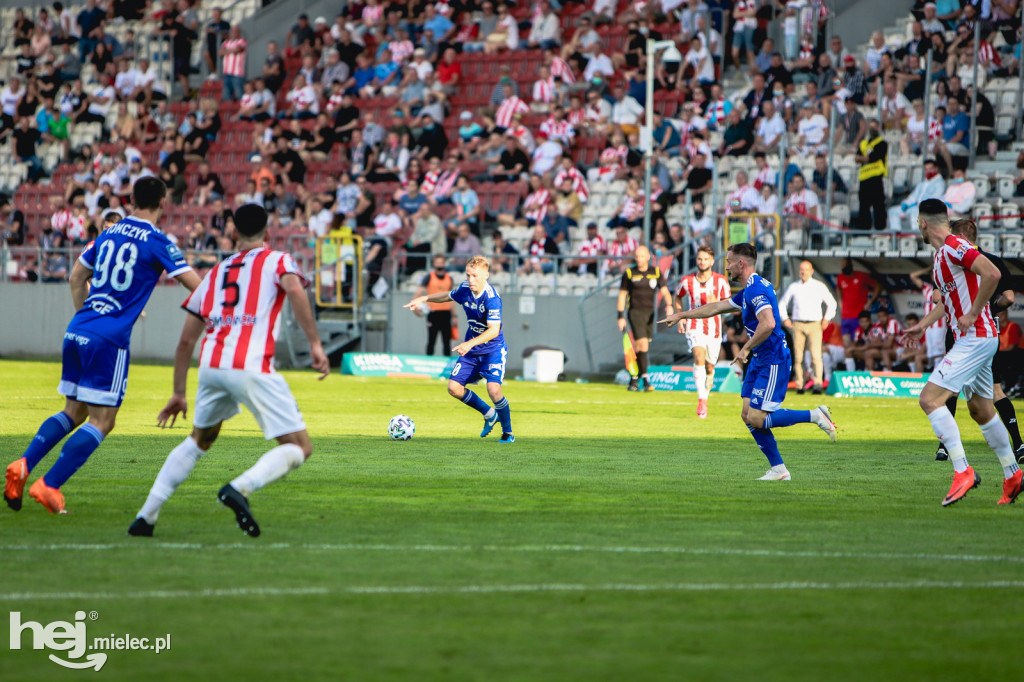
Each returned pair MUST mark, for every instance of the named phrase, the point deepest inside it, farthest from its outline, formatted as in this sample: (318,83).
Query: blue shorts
(94,370)
(488,366)
(848,325)
(765,384)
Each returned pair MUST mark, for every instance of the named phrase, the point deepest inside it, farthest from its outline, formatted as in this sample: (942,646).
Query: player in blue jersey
(764,386)
(483,353)
(110,285)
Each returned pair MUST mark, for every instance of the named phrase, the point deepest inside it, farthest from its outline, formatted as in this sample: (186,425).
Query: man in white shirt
(124,81)
(807,295)
(703,65)
(9,98)
(626,111)
(599,65)
(320,218)
(770,130)
(743,199)
(933,186)
(896,107)
(813,130)
(801,208)
(546,155)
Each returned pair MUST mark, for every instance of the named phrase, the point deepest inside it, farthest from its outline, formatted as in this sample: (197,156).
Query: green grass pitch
(620,538)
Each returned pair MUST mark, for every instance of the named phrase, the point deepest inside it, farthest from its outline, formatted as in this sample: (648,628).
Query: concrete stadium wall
(33,319)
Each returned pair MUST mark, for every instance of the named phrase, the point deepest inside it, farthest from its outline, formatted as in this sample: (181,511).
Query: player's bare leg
(50,432)
(471,399)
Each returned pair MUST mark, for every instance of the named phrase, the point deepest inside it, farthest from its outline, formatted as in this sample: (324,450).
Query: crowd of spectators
(311,100)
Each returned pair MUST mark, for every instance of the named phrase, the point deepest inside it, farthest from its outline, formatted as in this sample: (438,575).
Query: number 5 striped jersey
(241,299)
(126,262)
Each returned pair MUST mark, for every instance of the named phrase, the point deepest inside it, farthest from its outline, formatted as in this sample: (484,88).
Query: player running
(966,280)
(122,268)
(483,354)
(704,336)
(238,304)
(767,376)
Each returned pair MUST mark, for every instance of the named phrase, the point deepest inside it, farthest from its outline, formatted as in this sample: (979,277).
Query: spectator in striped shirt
(233,64)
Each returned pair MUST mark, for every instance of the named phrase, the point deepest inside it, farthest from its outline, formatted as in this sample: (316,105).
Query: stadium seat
(981,186)
(1013,246)
(988,242)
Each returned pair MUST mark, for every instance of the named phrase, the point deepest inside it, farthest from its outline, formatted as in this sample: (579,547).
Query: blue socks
(780,418)
(73,456)
(474,401)
(504,415)
(766,441)
(51,432)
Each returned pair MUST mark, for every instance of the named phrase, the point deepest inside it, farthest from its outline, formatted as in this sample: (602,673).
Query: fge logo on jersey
(72,638)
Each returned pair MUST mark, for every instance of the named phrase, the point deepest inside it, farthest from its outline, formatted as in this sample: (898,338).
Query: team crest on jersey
(654,284)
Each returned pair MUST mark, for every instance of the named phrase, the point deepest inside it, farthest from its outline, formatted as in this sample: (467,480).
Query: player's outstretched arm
(80,276)
(178,403)
(707,310)
(296,294)
(190,280)
(933,316)
(440,297)
(765,326)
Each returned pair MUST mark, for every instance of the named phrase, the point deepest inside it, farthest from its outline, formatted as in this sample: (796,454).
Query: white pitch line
(508,589)
(521,549)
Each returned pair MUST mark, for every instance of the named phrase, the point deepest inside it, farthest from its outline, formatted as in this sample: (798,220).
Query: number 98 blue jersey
(126,261)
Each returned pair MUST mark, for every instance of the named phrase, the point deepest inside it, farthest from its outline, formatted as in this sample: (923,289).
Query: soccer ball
(401,427)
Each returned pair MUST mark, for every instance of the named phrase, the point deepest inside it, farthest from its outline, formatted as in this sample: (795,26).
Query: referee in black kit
(1001,299)
(639,285)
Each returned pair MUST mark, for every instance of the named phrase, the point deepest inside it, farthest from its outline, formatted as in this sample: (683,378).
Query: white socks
(273,465)
(700,377)
(946,430)
(999,440)
(851,365)
(175,470)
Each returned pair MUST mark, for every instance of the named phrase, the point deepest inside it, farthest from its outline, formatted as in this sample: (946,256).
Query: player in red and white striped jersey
(704,335)
(967,280)
(238,306)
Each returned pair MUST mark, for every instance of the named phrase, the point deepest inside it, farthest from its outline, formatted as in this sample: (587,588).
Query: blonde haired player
(704,335)
(483,353)
(238,304)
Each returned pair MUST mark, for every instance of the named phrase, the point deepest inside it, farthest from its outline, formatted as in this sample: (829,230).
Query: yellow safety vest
(872,169)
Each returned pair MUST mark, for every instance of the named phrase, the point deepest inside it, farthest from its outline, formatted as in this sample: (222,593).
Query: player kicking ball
(238,304)
(767,376)
(966,280)
(483,354)
(704,336)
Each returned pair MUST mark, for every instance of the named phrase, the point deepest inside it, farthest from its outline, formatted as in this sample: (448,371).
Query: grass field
(620,538)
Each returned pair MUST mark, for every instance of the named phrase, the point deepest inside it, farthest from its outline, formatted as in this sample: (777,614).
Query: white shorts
(267,396)
(935,339)
(967,367)
(712,345)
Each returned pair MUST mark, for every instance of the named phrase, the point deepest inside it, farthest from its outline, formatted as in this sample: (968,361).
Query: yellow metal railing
(339,270)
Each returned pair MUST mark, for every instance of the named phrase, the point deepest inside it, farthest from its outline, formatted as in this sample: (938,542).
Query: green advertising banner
(877,384)
(680,378)
(394,365)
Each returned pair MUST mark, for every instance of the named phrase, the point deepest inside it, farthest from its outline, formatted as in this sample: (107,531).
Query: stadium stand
(387,93)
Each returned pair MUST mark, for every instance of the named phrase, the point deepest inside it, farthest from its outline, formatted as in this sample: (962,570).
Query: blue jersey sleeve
(169,256)
(494,309)
(88,256)
(459,293)
(737,300)
(757,297)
